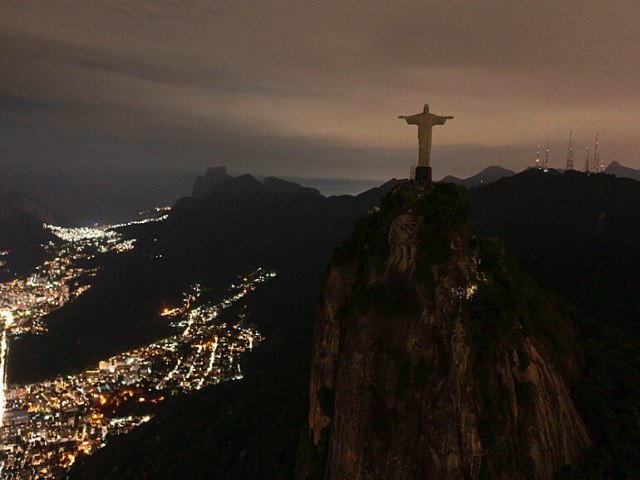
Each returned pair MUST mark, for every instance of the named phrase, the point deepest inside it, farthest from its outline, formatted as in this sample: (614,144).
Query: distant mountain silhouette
(486,176)
(89,194)
(217,176)
(614,168)
(204,185)
(277,184)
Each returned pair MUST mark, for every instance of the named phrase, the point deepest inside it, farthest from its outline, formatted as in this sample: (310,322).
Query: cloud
(315,87)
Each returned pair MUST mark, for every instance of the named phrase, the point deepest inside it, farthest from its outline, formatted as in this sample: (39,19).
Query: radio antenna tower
(586,159)
(570,152)
(597,166)
(546,157)
(538,156)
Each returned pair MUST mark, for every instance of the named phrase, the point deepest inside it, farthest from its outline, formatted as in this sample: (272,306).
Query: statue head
(426,108)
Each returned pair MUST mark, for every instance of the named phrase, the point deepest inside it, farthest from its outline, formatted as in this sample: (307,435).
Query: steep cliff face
(434,358)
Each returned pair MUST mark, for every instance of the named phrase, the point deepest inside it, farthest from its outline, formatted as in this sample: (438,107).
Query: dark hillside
(576,234)
(22,233)
(579,235)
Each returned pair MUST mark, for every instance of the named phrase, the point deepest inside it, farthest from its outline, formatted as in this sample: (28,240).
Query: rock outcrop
(434,358)
(204,185)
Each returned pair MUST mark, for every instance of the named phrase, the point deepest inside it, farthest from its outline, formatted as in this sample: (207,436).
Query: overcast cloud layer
(314,88)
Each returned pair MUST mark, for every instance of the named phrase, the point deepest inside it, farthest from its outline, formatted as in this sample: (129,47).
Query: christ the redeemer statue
(425,121)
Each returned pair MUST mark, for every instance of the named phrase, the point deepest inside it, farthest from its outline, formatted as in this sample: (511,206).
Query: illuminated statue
(425,121)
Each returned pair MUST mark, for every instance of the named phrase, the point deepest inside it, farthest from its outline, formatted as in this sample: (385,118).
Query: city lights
(46,425)
(51,422)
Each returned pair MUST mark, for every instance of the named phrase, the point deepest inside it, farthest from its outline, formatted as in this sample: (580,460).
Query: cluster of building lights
(45,426)
(24,302)
(48,424)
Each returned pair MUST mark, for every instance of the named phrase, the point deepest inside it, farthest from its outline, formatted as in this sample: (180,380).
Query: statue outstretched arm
(411,119)
(438,120)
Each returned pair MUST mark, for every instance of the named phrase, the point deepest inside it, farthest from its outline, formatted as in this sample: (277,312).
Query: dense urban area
(45,426)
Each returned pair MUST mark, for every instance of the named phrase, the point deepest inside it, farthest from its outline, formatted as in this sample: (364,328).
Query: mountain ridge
(486,176)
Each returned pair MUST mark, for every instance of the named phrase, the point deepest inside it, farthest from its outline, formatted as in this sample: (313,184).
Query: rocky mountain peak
(434,358)
(204,185)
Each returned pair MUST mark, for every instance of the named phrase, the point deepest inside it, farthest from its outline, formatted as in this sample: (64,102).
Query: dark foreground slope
(435,358)
(579,235)
(248,428)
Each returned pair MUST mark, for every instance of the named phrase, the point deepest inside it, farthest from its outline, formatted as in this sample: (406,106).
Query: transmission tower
(538,156)
(570,152)
(597,165)
(546,157)
(586,159)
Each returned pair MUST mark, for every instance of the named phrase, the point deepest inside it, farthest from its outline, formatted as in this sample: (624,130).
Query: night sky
(301,88)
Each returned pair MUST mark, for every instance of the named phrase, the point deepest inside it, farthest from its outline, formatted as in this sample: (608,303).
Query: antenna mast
(538,156)
(546,157)
(597,165)
(570,152)
(586,159)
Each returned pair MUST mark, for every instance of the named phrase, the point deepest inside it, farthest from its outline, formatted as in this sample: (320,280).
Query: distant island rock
(486,176)
(215,177)
(618,170)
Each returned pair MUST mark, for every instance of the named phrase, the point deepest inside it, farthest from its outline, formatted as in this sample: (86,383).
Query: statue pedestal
(423,175)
